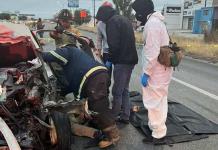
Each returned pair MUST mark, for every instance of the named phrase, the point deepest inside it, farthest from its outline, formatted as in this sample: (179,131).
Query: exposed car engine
(22,92)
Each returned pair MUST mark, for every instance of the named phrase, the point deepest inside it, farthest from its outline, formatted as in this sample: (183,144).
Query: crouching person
(86,78)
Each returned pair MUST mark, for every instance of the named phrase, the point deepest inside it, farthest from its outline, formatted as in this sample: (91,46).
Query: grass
(197,47)
(193,47)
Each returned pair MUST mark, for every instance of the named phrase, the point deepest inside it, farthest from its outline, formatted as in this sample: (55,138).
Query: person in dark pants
(102,44)
(123,54)
(86,78)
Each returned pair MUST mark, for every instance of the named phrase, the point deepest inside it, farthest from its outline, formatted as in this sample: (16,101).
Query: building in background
(203,20)
(188,15)
(190,7)
(215,18)
(206,17)
(197,16)
(173,16)
(28,15)
(215,3)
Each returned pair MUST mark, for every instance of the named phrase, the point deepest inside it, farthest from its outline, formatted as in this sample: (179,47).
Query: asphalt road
(195,85)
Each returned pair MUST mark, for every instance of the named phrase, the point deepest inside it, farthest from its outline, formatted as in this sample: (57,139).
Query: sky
(47,8)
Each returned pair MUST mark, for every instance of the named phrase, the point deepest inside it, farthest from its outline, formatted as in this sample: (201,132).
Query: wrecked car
(27,88)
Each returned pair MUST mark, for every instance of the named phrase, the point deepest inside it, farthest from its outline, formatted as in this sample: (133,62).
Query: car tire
(62,126)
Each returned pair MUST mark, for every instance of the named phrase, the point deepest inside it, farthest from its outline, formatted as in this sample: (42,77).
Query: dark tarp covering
(183,124)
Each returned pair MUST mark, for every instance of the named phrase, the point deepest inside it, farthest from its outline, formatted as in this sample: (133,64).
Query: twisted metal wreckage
(27,91)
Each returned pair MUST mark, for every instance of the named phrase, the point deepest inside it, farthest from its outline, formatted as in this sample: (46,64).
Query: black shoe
(123,121)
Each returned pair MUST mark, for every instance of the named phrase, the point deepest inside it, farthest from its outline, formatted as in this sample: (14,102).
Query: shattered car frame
(25,91)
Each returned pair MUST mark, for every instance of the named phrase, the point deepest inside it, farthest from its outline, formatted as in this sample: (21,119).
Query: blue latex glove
(144,80)
(108,64)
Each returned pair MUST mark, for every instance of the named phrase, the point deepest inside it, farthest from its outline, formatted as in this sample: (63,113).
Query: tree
(77,18)
(23,18)
(5,16)
(124,7)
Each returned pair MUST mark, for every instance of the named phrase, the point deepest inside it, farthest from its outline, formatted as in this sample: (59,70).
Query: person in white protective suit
(155,77)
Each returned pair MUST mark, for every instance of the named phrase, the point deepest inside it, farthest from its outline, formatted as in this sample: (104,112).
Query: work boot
(112,136)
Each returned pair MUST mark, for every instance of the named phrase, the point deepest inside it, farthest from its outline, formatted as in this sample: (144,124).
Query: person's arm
(55,35)
(152,48)
(60,56)
(99,38)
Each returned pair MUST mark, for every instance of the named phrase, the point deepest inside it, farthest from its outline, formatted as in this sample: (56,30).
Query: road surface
(195,85)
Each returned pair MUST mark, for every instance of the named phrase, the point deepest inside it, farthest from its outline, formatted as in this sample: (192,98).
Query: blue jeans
(120,91)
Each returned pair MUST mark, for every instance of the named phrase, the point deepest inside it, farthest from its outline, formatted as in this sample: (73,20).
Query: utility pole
(94,13)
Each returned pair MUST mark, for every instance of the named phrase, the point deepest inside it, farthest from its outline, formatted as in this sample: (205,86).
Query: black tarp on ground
(183,124)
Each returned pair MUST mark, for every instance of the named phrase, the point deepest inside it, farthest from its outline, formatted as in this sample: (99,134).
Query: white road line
(196,89)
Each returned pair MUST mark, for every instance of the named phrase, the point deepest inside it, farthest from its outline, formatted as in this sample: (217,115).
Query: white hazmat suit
(155,93)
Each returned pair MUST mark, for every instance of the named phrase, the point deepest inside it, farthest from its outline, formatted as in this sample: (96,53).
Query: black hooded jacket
(120,36)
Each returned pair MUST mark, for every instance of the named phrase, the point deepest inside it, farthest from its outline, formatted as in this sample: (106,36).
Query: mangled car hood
(16,44)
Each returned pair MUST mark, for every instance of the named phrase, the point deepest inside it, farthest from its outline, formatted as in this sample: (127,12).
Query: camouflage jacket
(64,39)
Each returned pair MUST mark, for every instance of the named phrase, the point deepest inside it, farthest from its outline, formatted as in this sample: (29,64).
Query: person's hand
(144,80)
(97,52)
(108,64)
(54,34)
(42,42)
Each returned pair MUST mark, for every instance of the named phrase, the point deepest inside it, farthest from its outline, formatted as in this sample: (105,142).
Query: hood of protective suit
(158,15)
(143,8)
(105,13)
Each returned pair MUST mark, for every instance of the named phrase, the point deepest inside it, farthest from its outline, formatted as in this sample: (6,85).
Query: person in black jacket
(86,78)
(123,54)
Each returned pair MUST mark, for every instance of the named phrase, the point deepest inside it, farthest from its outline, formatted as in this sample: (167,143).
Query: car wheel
(60,134)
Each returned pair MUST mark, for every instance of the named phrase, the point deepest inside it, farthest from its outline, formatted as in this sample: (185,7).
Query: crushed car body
(25,92)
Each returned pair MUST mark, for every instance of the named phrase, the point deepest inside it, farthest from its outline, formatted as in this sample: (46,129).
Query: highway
(194,84)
